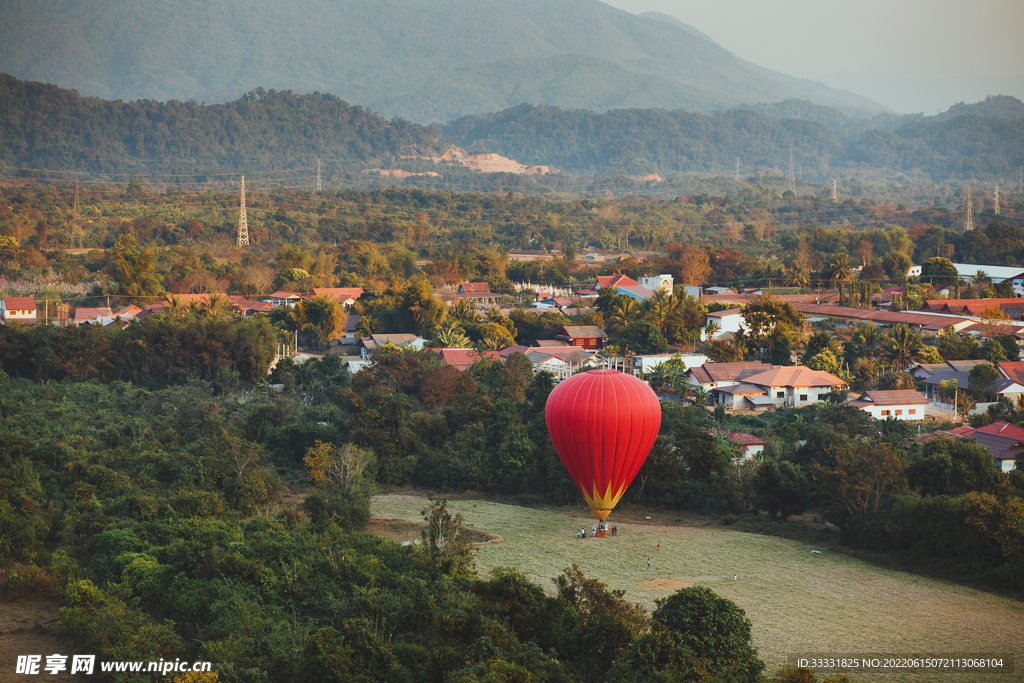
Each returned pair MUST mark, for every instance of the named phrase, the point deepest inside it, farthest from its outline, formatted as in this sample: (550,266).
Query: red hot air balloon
(603,424)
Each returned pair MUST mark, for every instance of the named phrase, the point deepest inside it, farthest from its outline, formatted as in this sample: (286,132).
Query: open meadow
(798,601)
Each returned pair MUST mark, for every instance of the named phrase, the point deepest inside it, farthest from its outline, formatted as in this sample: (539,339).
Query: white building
(904,404)
(656,282)
(730,321)
(18,308)
(647,362)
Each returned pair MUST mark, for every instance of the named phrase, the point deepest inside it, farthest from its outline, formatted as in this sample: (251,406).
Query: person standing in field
(648,563)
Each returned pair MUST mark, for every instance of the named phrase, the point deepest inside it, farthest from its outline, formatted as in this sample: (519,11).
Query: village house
(1005,441)
(656,282)
(713,375)
(279,298)
(903,404)
(368,345)
(345,296)
(743,396)
(748,444)
(796,386)
(584,336)
(18,308)
(1003,387)
(647,362)
(84,315)
(729,321)
(478,292)
(348,330)
(461,359)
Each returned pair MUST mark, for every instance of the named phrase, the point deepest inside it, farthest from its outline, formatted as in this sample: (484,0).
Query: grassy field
(798,601)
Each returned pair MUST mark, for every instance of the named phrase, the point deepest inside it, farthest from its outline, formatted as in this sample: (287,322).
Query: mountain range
(424,61)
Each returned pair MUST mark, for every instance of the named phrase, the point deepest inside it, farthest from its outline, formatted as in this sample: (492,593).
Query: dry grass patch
(31,627)
(798,601)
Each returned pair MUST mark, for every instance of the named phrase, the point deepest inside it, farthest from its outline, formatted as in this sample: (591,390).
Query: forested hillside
(398,57)
(678,141)
(44,127)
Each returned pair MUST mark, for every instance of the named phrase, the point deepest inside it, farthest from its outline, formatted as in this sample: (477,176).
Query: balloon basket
(601,533)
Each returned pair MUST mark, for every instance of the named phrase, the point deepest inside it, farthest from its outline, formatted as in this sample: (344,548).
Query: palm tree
(868,341)
(659,309)
(797,276)
(700,395)
(216,305)
(449,335)
(624,312)
(175,309)
(903,346)
(840,269)
(464,312)
(711,329)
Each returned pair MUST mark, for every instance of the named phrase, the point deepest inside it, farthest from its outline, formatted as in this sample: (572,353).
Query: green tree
(982,383)
(770,325)
(133,270)
(712,630)
(780,488)
(939,271)
(903,346)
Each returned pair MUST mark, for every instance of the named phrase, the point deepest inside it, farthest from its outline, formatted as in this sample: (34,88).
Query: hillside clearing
(798,601)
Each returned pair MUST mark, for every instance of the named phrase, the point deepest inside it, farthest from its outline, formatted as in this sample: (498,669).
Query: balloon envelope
(603,424)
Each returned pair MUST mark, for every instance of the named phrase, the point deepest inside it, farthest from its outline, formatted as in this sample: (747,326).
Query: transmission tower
(792,173)
(997,200)
(76,227)
(243,223)
(826,164)
(737,169)
(319,187)
(969,217)
(835,193)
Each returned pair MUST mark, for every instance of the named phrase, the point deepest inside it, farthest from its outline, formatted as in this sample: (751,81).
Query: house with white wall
(796,386)
(18,308)
(903,404)
(729,321)
(656,282)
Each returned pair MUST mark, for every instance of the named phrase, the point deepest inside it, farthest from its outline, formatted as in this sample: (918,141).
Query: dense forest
(282,135)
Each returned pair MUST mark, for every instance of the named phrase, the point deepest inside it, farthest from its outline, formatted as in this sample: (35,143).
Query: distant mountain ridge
(423,60)
(43,127)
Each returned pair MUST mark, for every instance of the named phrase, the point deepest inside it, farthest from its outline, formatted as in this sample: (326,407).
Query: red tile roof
(20,303)
(582,332)
(1012,370)
(900,397)
(727,372)
(475,288)
(617,280)
(1004,429)
(797,376)
(339,294)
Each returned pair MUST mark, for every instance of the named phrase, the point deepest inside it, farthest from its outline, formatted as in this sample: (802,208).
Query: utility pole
(319,187)
(835,194)
(243,223)
(997,200)
(969,217)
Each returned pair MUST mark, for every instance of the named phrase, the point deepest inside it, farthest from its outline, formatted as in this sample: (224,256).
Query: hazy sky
(912,55)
